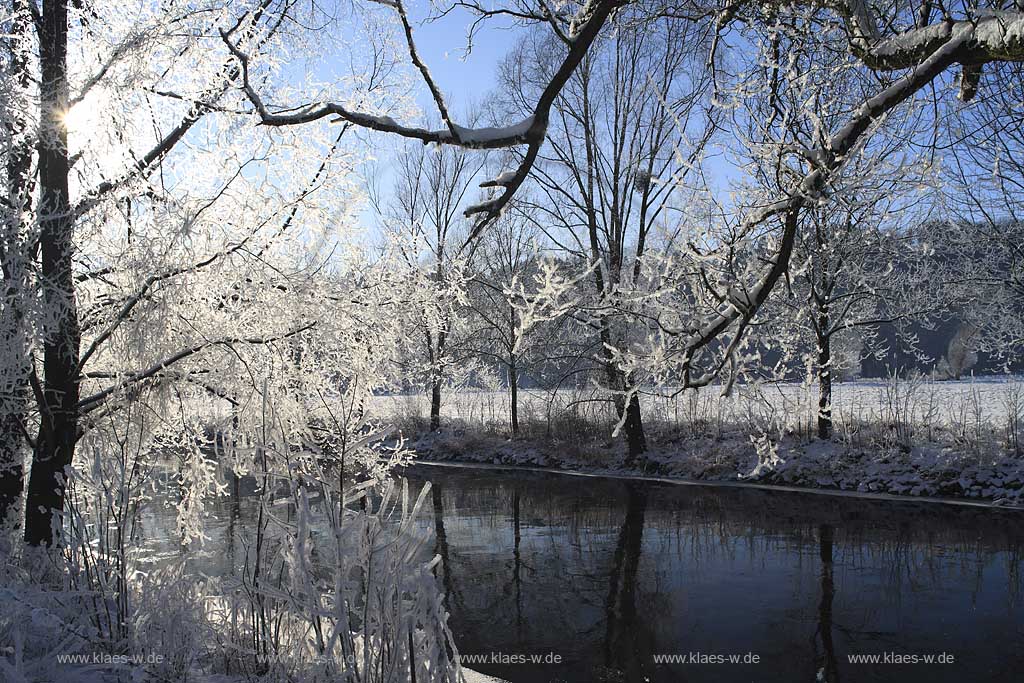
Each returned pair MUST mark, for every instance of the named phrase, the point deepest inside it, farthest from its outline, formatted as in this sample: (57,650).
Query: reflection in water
(517,564)
(441,543)
(828,665)
(607,575)
(621,649)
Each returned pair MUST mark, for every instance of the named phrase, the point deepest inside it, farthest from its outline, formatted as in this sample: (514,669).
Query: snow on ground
(919,438)
(987,399)
(477,677)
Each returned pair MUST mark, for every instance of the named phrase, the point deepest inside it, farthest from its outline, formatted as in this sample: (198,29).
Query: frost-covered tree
(505,259)
(856,267)
(978,234)
(961,355)
(152,234)
(619,147)
(980,267)
(857,260)
(425,223)
(896,51)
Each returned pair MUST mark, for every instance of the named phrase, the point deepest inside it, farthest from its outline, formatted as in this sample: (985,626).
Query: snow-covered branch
(583,30)
(93,401)
(744,302)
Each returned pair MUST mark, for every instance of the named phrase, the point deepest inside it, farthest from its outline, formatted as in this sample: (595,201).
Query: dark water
(608,575)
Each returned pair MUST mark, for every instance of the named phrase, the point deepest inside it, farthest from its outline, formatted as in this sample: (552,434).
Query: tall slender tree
(618,150)
(426,223)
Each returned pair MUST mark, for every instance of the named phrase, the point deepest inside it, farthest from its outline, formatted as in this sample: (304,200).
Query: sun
(86,113)
(79,117)
(85,121)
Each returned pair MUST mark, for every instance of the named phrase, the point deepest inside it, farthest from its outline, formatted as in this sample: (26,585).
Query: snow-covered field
(920,437)
(968,402)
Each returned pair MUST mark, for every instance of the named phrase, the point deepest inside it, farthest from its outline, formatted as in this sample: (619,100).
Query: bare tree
(617,152)
(504,257)
(425,217)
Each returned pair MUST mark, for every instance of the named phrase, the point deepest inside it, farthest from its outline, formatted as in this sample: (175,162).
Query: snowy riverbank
(908,437)
(933,439)
(815,466)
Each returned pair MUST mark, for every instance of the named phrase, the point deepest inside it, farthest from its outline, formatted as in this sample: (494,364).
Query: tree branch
(96,400)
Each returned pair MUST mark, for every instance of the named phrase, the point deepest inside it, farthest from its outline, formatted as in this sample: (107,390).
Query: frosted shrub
(767,456)
(898,401)
(335,580)
(338,594)
(335,583)
(170,618)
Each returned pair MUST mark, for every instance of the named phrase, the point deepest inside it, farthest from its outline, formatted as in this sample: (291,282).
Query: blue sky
(465,79)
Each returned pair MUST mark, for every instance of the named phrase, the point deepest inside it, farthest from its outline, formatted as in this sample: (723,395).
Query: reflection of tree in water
(622,640)
(825,662)
(910,558)
(445,570)
(1013,574)
(441,547)
(540,566)
(517,564)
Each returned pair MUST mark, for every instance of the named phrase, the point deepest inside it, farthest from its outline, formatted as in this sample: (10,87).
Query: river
(553,578)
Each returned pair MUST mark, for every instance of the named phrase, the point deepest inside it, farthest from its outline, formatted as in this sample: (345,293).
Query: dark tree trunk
(15,256)
(824,383)
(58,430)
(435,405)
(633,427)
(11,464)
(513,387)
(13,445)
(12,452)
(636,442)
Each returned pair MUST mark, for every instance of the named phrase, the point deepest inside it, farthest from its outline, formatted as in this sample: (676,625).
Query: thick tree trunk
(58,430)
(825,386)
(633,427)
(513,387)
(437,370)
(435,405)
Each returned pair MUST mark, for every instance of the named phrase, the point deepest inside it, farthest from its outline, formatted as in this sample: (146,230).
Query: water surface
(609,574)
(601,579)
